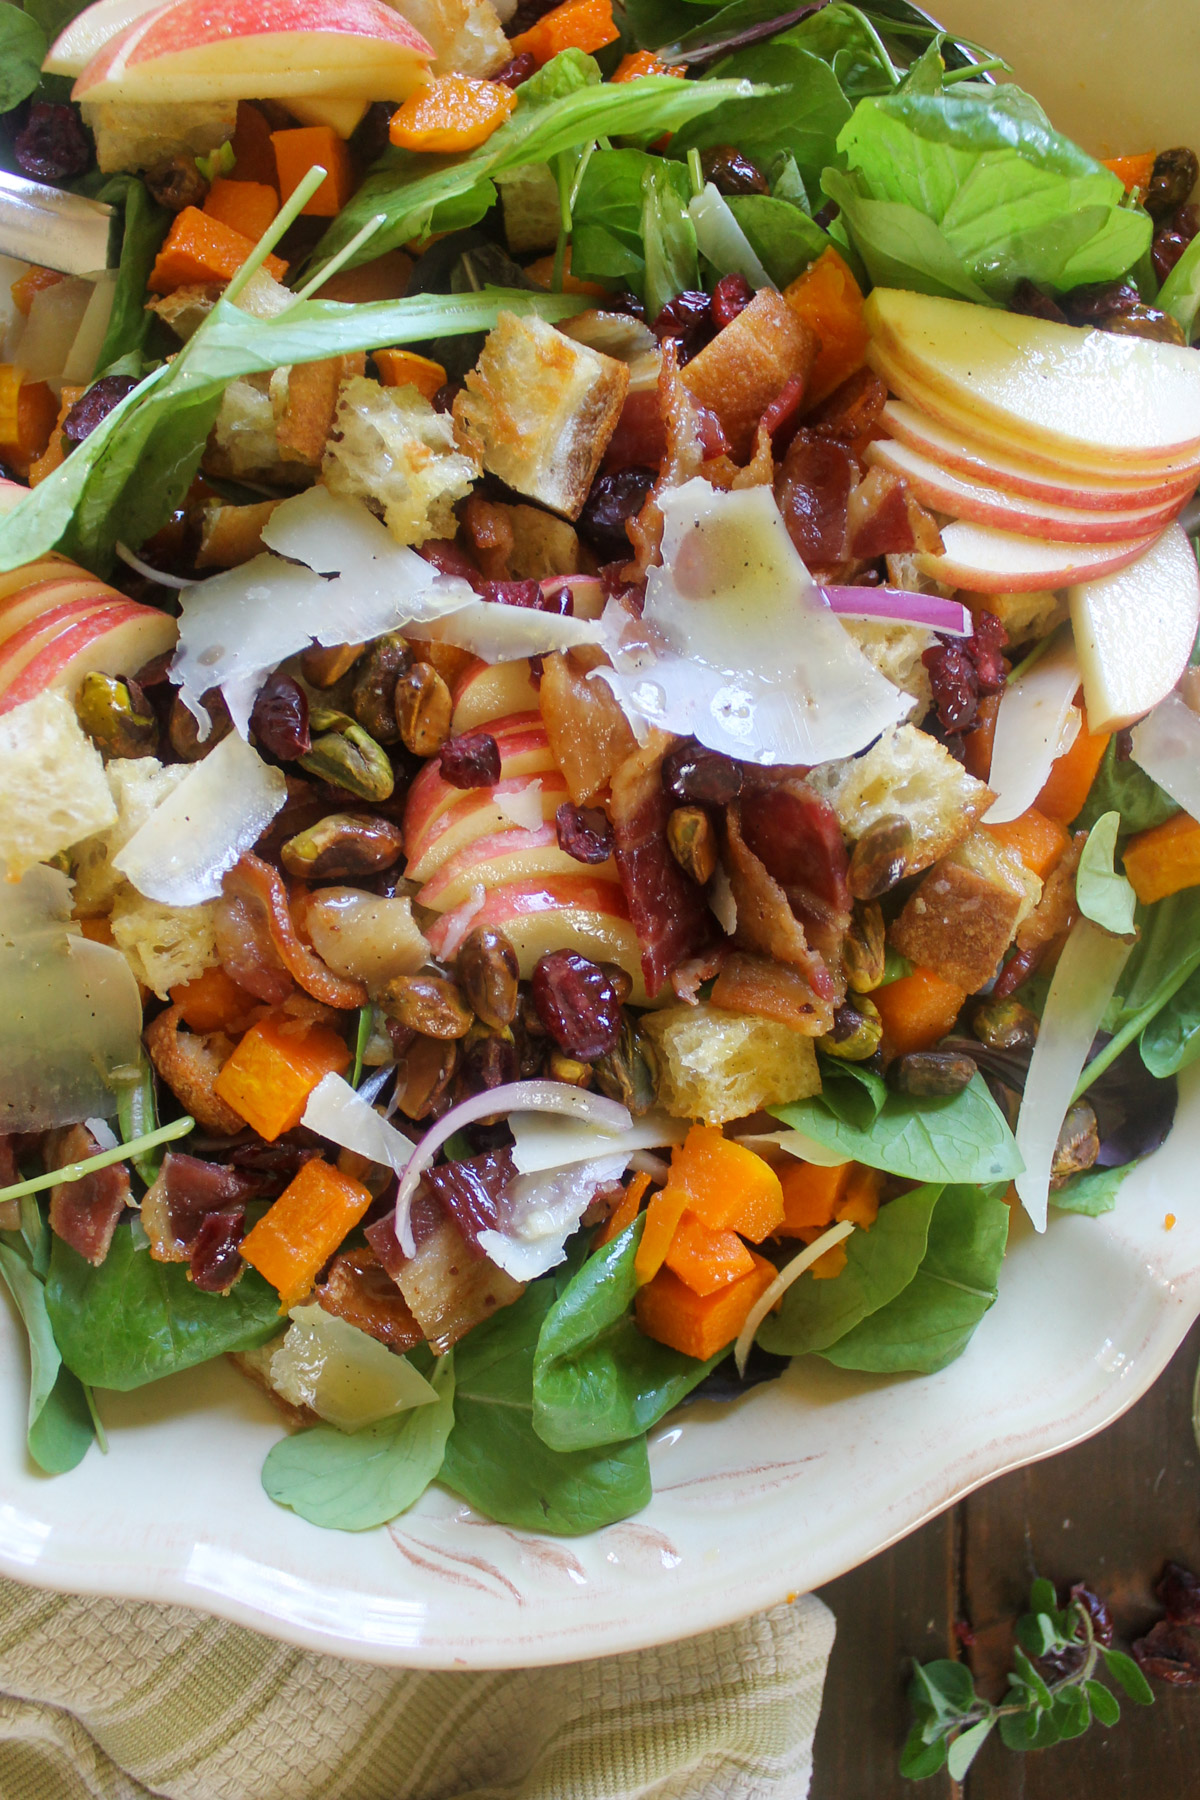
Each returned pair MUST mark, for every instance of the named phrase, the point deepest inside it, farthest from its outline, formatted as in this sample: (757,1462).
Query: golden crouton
(746,365)
(962,917)
(312,397)
(231,535)
(716,1065)
(905,772)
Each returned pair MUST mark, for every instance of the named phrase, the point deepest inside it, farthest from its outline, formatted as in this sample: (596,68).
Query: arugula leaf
(880,1263)
(1171,1041)
(1126,788)
(353,1481)
(606,241)
(560,108)
(1003,196)
(1180,292)
(781,234)
(931,1321)
(133,1320)
(668,238)
(1104,896)
(962,1138)
(1092,1193)
(495,1459)
(145,226)
(59,1423)
(22,50)
(596,1378)
(799,108)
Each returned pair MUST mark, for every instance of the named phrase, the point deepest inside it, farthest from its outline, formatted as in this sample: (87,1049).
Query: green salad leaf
(22,49)
(931,1321)
(797,106)
(495,1459)
(1180,292)
(1165,957)
(606,240)
(596,1378)
(143,230)
(1125,787)
(880,1263)
(133,1320)
(959,1139)
(1103,894)
(1094,1192)
(353,1481)
(59,1421)
(1171,1040)
(782,235)
(668,237)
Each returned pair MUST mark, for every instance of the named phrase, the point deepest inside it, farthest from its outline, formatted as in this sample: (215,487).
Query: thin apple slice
(47,568)
(25,606)
(486,691)
(1134,631)
(977,461)
(1000,562)
(525,752)
(115,640)
(480,813)
(204,50)
(1087,393)
(90,30)
(572,912)
(502,857)
(947,492)
(343,115)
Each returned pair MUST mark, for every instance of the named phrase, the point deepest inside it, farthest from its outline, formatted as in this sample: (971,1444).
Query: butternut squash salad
(598,717)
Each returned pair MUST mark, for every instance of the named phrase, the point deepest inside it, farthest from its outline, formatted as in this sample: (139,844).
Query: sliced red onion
(1167,745)
(791,1271)
(516,1096)
(898,606)
(587,592)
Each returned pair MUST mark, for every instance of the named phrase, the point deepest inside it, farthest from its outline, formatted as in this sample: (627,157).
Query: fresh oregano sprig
(951,1721)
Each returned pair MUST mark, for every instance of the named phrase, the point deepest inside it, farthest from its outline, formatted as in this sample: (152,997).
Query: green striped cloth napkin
(120,1700)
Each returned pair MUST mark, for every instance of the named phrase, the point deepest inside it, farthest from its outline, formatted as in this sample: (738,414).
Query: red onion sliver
(516,1096)
(587,591)
(898,606)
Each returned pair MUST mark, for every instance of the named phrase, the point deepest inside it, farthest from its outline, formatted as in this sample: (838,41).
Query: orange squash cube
(706,1260)
(404,368)
(1164,859)
(212,1001)
(274,1069)
(662,1218)
(811,1196)
(829,300)
(454,113)
(300,1232)
(917,1010)
(728,1186)
(303,148)
(700,1324)
(1037,840)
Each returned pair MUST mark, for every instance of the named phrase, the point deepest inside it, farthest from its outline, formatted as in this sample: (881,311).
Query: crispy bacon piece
(883,519)
(257,888)
(187,1191)
(472,1192)
(189,1063)
(84,1213)
(687,978)
(852,411)
(488,528)
(797,838)
(668,911)
(359,1289)
(759,984)
(640,440)
(812,491)
(450,1290)
(589,734)
(216,1256)
(683,456)
(766,923)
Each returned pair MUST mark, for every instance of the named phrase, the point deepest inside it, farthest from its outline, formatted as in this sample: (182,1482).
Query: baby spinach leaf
(606,241)
(781,234)
(64,1431)
(898,244)
(961,1138)
(144,228)
(1171,1041)
(495,1459)
(22,48)
(59,1424)
(133,1320)
(1180,292)
(353,1481)
(853,1094)
(1126,788)
(668,238)
(845,38)
(880,1263)
(799,107)
(932,1320)
(596,1378)
(1093,1193)
(1104,896)
(1166,955)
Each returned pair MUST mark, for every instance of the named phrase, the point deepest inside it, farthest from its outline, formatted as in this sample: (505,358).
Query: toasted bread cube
(1033,614)
(164,945)
(138,785)
(313,390)
(389,446)
(716,1065)
(746,365)
(466,36)
(542,410)
(909,773)
(52,780)
(138,135)
(896,651)
(963,916)
(231,535)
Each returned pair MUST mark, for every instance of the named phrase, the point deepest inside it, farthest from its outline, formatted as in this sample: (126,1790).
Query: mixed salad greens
(589,804)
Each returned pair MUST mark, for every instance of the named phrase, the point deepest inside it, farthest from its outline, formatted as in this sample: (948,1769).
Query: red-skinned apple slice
(486,691)
(977,461)
(47,568)
(1134,631)
(947,492)
(1124,401)
(480,813)
(26,605)
(503,857)
(523,752)
(118,639)
(90,30)
(1001,562)
(573,912)
(197,50)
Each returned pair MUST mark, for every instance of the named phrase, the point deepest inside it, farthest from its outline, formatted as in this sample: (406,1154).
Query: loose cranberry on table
(470,761)
(578,1004)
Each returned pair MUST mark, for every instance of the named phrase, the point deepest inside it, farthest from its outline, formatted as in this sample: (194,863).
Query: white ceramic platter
(755,1500)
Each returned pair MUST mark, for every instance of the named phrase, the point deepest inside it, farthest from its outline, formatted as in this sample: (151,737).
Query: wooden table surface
(1110,1513)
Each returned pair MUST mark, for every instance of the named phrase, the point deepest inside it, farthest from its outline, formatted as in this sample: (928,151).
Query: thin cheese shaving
(790,1272)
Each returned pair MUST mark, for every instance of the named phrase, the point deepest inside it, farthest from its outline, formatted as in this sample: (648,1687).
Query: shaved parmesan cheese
(722,239)
(346,1377)
(217,812)
(1037,720)
(549,1141)
(735,645)
(500,633)
(70,1026)
(336,1112)
(795,1143)
(1167,745)
(355,584)
(721,901)
(541,1212)
(790,1272)
(524,807)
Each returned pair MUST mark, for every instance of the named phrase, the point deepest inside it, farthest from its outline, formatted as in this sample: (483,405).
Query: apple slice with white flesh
(208,50)
(977,461)
(481,812)
(1125,401)
(87,33)
(25,605)
(501,857)
(1134,631)
(947,492)
(115,640)
(486,691)
(1001,562)
(523,752)
(571,912)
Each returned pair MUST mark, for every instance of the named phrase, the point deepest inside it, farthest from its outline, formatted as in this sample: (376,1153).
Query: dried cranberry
(486,1063)
(52,145)
(451,559)
(471,761)
(280,718)
(1097,1611)
(1123,745)
(584,832)
(215,1256)
(1179,1591)
(688,319)
(528,13)
(732,173)
(577,1003)
(613,500)
(624,302)
(177,183)
(1098,300)
(1170,1653)
(731,296)
(516,70)
(94,406)
(443,400)
(954,683)
(698,777)
(827,214)
(984,646)
(1030,300)
(1172,238)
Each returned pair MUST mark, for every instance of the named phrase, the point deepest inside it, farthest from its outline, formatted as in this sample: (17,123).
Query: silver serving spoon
(58,230)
